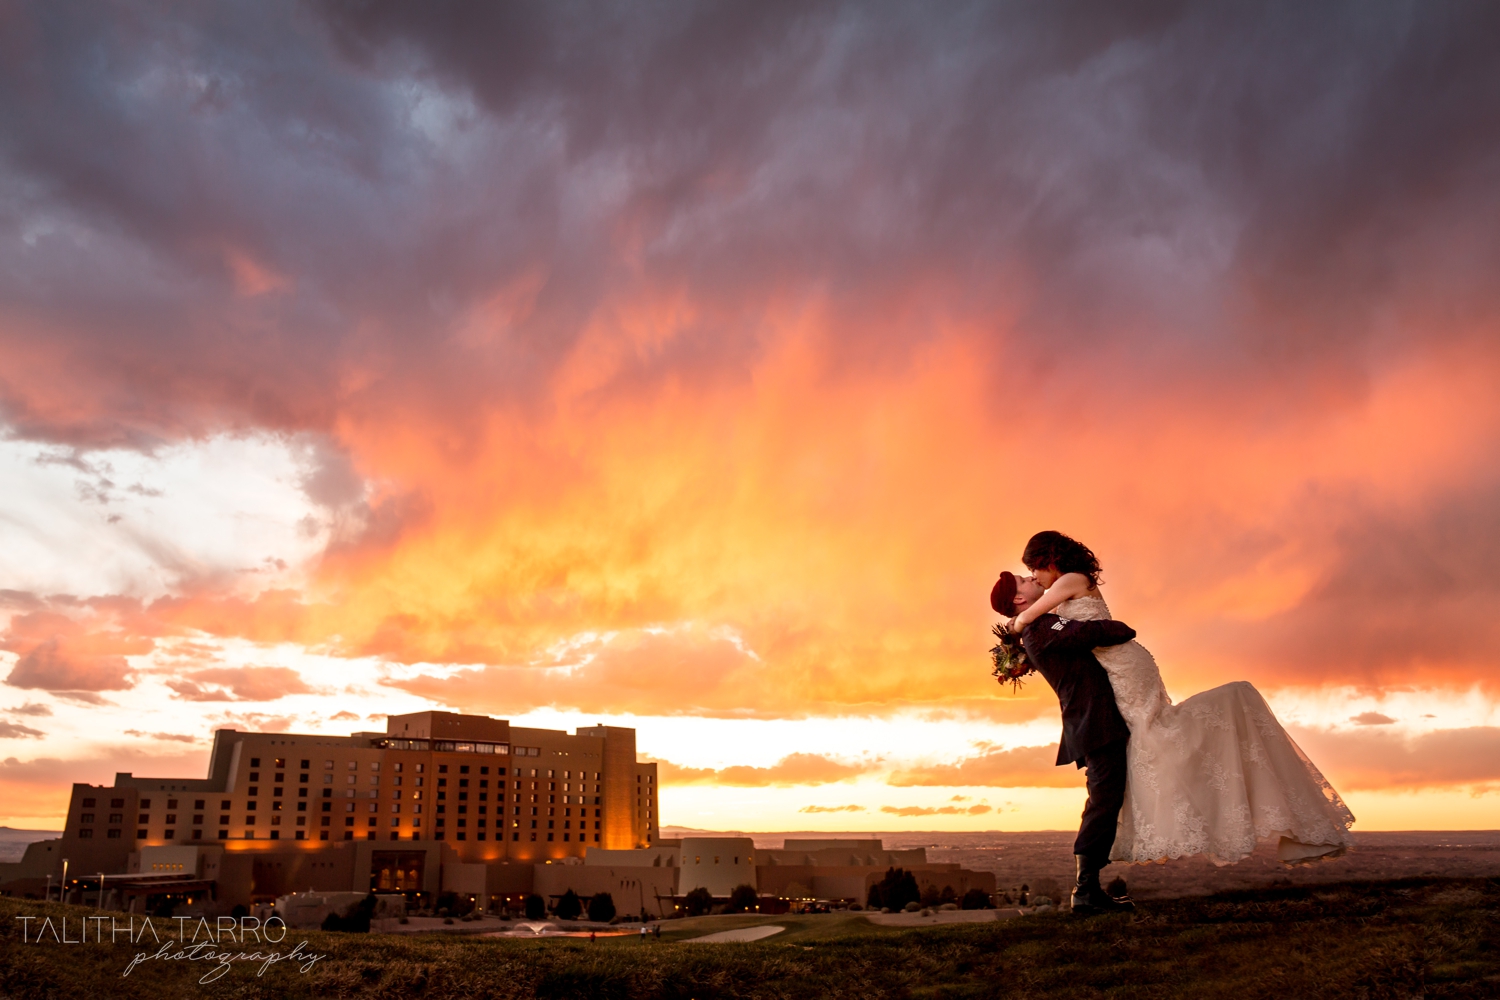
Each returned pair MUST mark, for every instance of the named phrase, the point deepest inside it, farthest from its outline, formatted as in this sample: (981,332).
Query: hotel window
(224,804)
(280,777)
(144,804)
(303,780)
(354,765)
(255,762)
(328,765)
(170,834)
(281,762)
(140,835)
(120,804)
(306,764)
(115,834)
(85,833)
(250,805)
(145,818)
(198,820)
(223,820)
(88,803)
(120,818)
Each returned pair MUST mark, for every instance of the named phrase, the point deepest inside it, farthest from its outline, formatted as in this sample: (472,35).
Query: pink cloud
(239,684)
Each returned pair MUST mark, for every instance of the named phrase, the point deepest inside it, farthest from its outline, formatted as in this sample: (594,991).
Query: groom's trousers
(1107,770)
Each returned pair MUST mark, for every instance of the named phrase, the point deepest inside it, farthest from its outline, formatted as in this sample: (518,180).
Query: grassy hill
(1408,938)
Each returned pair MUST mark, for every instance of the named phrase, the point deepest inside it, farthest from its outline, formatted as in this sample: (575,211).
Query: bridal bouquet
(1010,659)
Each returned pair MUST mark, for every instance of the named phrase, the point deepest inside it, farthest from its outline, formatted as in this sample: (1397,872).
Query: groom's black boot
(1089,896)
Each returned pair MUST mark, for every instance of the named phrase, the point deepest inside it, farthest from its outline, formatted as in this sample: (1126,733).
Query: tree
(602,908)
(893,892)
(699,902)
(569,907)
(536,907)
(742,898)
(976,899)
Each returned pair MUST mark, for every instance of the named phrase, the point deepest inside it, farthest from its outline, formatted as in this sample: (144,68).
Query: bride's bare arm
(1067,587)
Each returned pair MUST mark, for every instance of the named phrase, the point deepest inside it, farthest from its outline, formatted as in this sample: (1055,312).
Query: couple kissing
(1212,775)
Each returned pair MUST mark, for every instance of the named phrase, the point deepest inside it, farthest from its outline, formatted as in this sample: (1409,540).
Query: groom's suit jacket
(1062,650)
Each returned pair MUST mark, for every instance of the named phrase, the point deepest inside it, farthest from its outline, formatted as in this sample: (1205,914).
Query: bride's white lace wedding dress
(1214,774)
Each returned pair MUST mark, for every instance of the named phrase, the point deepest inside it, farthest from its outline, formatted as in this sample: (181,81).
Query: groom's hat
(1003,595)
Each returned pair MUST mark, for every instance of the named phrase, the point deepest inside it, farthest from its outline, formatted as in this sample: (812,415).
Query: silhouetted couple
(1212,775)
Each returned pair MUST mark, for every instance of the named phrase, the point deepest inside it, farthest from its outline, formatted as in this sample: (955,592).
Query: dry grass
(1410,938)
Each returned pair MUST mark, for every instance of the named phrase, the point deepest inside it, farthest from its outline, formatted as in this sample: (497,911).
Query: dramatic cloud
(711,358)
(793,769)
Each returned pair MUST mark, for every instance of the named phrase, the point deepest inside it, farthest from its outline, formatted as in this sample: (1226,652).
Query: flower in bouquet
(1009,657)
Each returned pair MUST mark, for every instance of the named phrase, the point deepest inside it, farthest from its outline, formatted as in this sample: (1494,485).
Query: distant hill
(13,842)
(27,836)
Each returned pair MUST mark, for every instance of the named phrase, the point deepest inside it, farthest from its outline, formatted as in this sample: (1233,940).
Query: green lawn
(1411,938)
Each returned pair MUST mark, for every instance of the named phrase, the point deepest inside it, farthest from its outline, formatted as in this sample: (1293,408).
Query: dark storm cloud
(235,216)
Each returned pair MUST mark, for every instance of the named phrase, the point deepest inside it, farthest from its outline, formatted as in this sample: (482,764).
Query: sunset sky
(696,367)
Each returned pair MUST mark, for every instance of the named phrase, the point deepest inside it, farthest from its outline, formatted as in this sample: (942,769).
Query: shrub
(698,902)
(742,898)
(536,907)
(602,907)
(356,921)
(568,907)
(976,899)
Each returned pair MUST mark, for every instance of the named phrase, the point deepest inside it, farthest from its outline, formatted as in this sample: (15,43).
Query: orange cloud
(793,769)
(1020,767)
(832,809)
(1373,759)
(974,810)
(65,656)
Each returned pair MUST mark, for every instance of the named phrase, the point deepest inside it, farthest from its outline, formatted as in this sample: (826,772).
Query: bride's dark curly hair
(1055,550)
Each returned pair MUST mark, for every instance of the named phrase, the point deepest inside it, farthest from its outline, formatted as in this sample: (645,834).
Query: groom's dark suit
(1094,733)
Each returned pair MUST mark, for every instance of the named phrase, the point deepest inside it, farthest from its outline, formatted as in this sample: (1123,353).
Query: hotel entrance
(397,871)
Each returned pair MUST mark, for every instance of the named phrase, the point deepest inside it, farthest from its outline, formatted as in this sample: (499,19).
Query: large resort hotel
(438,803)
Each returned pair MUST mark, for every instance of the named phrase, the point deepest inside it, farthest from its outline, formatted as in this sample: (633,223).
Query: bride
(1212,775)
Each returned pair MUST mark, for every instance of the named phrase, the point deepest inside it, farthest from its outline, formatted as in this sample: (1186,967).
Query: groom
(1094,733)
